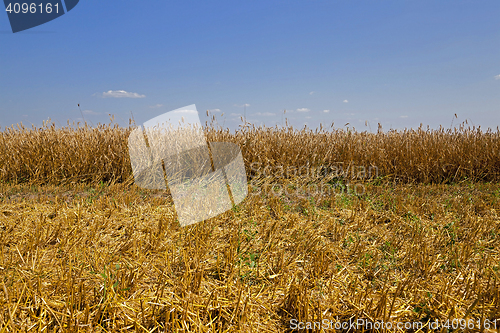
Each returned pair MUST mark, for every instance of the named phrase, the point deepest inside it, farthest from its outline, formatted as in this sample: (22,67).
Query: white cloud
(326,111)
(121,94)
(312,92)
(403,116)
(303,110)
(242,105)
(235,115)
(267,114)
(497,77)
(346,101)
(214,110)
(308,117)
(90,112)
(156,106)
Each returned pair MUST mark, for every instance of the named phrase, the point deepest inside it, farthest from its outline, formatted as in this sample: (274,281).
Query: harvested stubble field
(84,249)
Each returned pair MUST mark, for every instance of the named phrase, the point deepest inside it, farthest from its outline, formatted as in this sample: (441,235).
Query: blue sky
(399,63)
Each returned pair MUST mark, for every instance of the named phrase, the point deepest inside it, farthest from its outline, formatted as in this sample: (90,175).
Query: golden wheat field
(341,231)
